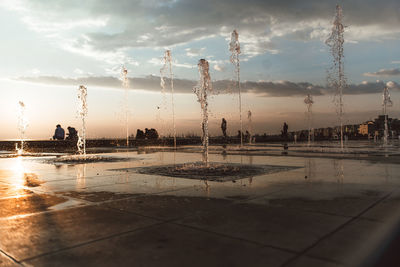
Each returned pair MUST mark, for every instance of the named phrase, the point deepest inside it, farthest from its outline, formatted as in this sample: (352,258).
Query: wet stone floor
(297,211)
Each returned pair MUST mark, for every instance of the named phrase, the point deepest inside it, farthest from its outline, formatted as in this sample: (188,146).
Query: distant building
(367,128)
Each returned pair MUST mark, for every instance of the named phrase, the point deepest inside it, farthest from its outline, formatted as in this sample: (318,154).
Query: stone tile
(305,261)
(385,210)
(28,204)
(166,245)
(283,228)
(348,244)
(7,191)
(100,196)
(7,262)
(341,206)
(169,207)
(45,232)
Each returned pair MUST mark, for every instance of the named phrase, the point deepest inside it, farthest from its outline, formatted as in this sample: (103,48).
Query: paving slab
(305,261)
(28,204)
(45,232)
(345,245)
(6,261)
(7,191)
(169,207)
(318,199)
(100,196)
(166,245)
(277,227)
(385,210)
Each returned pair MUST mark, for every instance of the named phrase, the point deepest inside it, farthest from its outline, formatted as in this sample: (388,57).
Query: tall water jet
(22,125)
(336,78)
(82,113)
(201,90)
(387,102)
(125,85)
(163,71)
(249,114)
(234,47)
(309,102)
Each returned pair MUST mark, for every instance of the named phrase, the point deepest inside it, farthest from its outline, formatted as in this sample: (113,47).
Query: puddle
(28,204)
(79,159)
(98,196)
(219,172)
(31,180)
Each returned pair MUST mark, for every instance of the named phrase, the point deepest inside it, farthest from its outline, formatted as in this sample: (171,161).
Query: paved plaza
(318,212)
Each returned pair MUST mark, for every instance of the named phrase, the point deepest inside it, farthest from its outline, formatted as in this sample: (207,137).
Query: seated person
(72,133)
(59,133)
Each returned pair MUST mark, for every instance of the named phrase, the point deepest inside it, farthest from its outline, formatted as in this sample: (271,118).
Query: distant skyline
(50,47)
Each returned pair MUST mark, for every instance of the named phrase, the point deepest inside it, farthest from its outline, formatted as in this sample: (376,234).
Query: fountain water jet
(168,65)
(387,102)
(125,84)
(234,47)
(201,90)
(22,125)
(82,113)
(309,102)
(336,78)
(249,114)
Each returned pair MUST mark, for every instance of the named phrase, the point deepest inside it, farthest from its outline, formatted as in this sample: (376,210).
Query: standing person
(59,133)
(223,127)
(285,130)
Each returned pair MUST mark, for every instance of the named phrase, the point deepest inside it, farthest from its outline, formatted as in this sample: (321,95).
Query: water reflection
(338,170)
(309,169)
(80,176)
(18,178)
(207,188)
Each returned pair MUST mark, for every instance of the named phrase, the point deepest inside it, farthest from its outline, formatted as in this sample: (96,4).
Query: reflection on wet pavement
(50,212)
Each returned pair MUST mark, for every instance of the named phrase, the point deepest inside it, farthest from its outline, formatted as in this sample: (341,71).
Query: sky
(49,48)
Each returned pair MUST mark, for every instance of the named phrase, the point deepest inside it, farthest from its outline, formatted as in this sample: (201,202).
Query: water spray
(167,59)
(82,113)
(336,78)
(22,125)
(387,102)
(309,102)
(249,114)
(125,85)
(201,90)
(234,48)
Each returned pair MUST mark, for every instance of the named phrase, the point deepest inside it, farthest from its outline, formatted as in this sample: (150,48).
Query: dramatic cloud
(105,29)
(367,88)
(383,72)
(274,89)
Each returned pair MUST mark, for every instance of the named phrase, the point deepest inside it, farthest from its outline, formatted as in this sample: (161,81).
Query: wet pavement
(313,212)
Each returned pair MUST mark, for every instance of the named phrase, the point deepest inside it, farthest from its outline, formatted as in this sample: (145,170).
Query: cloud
(261,88)
(195,52)
(152,83)
(219,67)
(366,88)
(97,27)
(383,72)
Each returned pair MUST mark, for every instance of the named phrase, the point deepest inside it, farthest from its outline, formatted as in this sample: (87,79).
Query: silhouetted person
(72,133)
(247,137)
(240,133)
(151,133)
(59,133)
(285,130)
(223,127)
(140,134)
